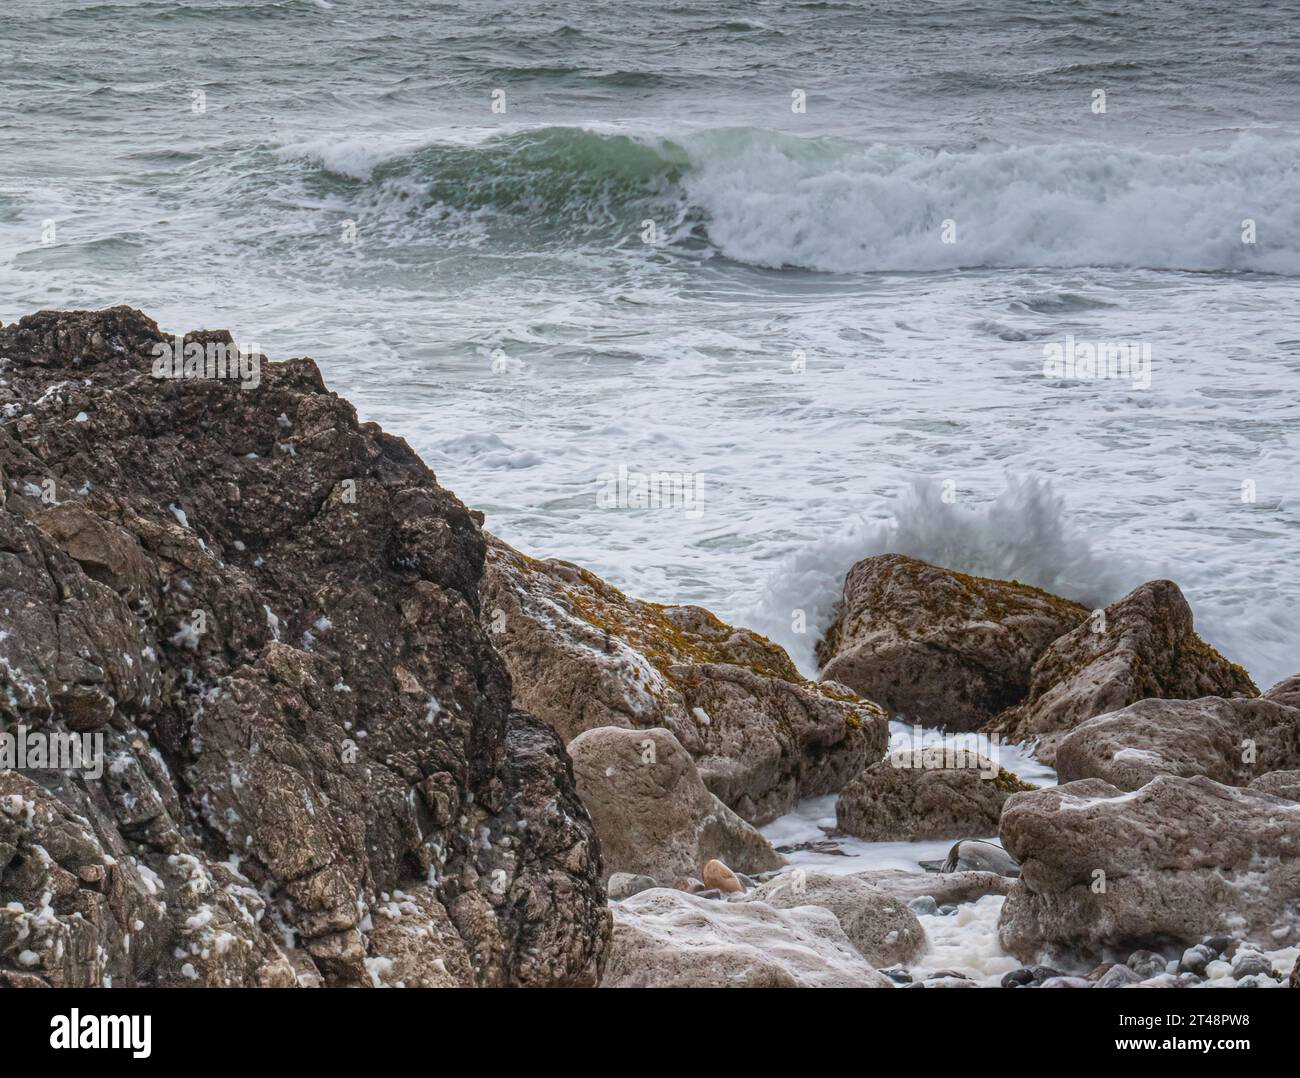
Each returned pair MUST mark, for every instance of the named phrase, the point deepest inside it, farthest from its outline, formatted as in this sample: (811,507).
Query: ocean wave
(775,200)
(1026,533)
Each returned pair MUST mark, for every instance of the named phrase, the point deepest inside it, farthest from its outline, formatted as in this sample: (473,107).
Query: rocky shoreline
(350,738)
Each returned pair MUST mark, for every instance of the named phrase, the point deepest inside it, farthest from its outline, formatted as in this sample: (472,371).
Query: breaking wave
(774,200)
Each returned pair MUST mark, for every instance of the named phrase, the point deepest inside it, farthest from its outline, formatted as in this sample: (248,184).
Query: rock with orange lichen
(583,655)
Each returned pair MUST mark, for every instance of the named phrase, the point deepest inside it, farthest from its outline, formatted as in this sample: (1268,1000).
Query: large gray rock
(944,887)
(1144,647)
(668,939)
(913,794)
(270,612)
(1230,741)
(937,647)
(653,813)
(582,655)
(882,927)
(1104,870)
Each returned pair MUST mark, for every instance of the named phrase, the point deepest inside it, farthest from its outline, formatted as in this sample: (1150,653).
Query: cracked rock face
(1145,647)
(1104,871)
(937,647)
(270,612)
(583,655)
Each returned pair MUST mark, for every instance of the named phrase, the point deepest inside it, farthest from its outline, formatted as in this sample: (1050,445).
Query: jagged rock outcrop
(582,655)
(270,612)
(1230,741)
(1145,647)
(882,927)
(665,938)
(653,813)
(1104,871)
(933,792)
(937,647)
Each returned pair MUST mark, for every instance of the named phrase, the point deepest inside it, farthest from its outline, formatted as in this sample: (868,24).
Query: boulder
(1105,871)
(883,929)
(926,793)
(668,939)
(948,888)
(937,647)
(1230,741)
(1143,646)
(269,612)
(583,655)
(652,811)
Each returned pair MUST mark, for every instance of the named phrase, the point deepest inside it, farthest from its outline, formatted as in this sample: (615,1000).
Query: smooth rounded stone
(937,646)
(947,909)
(881,926)
(1217,970)
(898,975)
(1188,980)
(1129,747)
(664,938)
(1147,963)
(1029,976)
(719,877)
(1250,964)
(1182,858)
(977,855)
(626,884)
(1195,959)
(1118,976)
(1066,982)
(1147,648)
(652,811)
(1218,944)
(689,884)
(923,906)
(1279,784)
(926,793)
(953,981)
(1250,981)
(583,655)
(942,887)
(1160,980)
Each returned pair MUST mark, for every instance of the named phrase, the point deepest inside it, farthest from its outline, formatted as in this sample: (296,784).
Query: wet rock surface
(1231,741)
(1167,865)
(584,655)
(937,647)
(926,793)
(270,611)
(666,938)
(1142,647)
(881,926)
